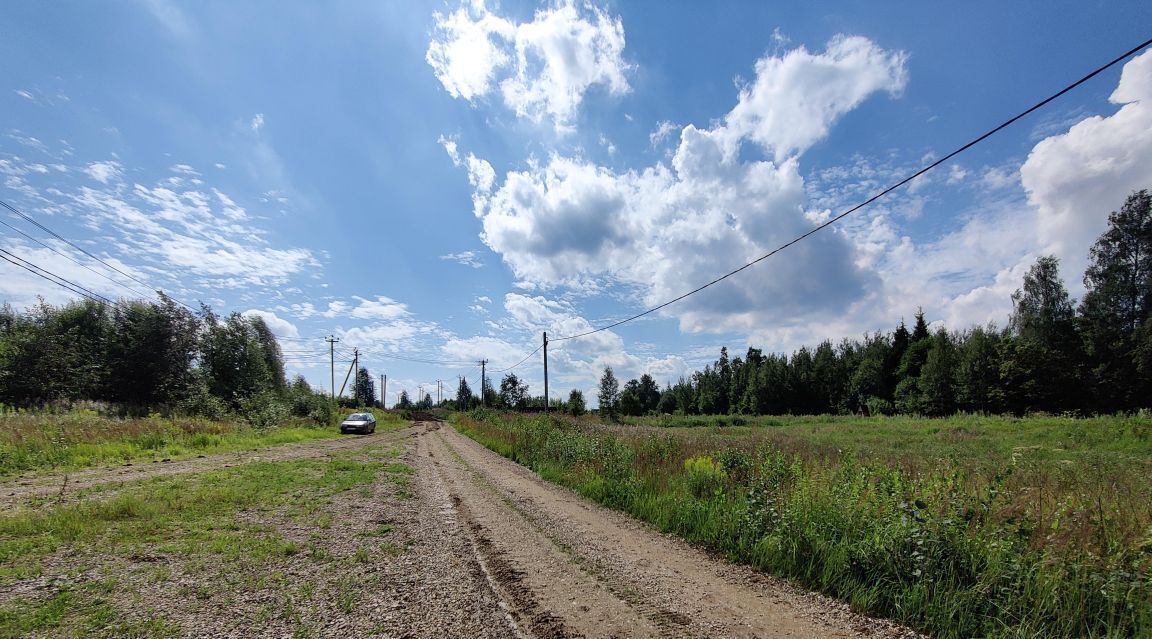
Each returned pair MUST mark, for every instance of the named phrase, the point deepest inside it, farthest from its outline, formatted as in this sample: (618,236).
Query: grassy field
(961,527)
(41,442)
(92,556)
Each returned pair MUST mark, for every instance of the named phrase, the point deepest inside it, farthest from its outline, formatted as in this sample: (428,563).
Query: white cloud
(257,123)
(1077,178)
(796,97)
(663,130)
(672,226)
(104,172)
(466,258)
(543,68)
(278,325)
(26,95)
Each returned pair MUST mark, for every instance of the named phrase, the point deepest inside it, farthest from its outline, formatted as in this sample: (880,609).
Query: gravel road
(479,547)
(569,568)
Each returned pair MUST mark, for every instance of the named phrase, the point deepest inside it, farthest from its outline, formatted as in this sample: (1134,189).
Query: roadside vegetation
(61,442)
(960,527)
(221,531)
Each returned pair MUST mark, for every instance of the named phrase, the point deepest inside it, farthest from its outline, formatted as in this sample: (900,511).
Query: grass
(961,527)
(38,442)
(212,517)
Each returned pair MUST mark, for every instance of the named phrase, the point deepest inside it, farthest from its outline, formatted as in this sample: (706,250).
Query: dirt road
(569,568)
(466,544)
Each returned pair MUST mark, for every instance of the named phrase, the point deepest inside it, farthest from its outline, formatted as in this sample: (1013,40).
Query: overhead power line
(877,196)
(517,364)
(54,278)
(40,226)
(73,260)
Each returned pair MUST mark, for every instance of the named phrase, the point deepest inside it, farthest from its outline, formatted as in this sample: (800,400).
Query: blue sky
(444,181)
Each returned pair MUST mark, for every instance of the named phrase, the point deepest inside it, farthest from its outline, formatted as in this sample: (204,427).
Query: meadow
(969,526)
(34,442)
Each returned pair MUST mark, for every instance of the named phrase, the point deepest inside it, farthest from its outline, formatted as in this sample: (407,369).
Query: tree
(649,394)
(1117,303)
(464,397)
(609,393)
(513,393)
(576,402)
(978,370)
(404,402)
(1040,370)
(364,389)
(630,403)
(936,378)
(667,404)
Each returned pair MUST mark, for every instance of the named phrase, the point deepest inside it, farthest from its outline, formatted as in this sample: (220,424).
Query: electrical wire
(73,260)
(54,278)
(517,364)
(877,196)
(40,226)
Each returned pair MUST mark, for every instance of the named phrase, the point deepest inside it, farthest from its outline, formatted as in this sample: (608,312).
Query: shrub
(704,476)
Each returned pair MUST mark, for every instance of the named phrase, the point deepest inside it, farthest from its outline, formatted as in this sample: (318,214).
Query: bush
(264,411)
(704,476)
(879,406)
(201,403)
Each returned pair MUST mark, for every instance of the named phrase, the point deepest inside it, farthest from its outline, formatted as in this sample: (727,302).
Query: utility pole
(483,395)
(545,372)
(383,391)
(353,367)
(332,363)
(439,390)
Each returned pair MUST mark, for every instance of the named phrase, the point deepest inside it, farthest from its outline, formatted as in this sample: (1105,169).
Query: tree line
(143,356)
(1054,356)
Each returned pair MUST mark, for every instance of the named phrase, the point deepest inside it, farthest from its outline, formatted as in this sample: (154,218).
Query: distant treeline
(147,356)
(1054,356)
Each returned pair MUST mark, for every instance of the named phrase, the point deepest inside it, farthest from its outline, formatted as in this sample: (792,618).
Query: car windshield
(357,417)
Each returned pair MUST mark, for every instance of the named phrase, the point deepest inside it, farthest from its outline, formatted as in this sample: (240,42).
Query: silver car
(359,423)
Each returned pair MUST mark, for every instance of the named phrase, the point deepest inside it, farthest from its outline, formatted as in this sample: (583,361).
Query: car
(359,423)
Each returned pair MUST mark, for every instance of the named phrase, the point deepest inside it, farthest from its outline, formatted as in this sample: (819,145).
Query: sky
(445,181)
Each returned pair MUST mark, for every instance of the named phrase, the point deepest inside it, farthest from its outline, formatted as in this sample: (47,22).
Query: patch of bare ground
(384,560)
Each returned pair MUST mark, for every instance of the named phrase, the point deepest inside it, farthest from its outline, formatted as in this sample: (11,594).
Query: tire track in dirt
(15,491)
(548,594)
(647,583)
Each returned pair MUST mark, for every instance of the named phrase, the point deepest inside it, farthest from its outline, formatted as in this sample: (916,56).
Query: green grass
(962,527)
(31,442)
(211,515)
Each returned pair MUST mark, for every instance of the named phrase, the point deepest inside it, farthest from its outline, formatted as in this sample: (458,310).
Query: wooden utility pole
(383,391)
(545,372)
(483,395)
(332,364)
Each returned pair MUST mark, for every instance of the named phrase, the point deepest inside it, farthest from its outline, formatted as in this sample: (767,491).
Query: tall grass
(79,439)
(960,548)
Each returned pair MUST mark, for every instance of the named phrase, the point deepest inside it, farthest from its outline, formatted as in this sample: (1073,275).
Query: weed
(970,526)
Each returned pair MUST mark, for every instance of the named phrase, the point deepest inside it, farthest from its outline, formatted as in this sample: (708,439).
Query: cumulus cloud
(672,225)
(279,326)
(796,97)
(1075,179)
(543,68)
(257,123)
